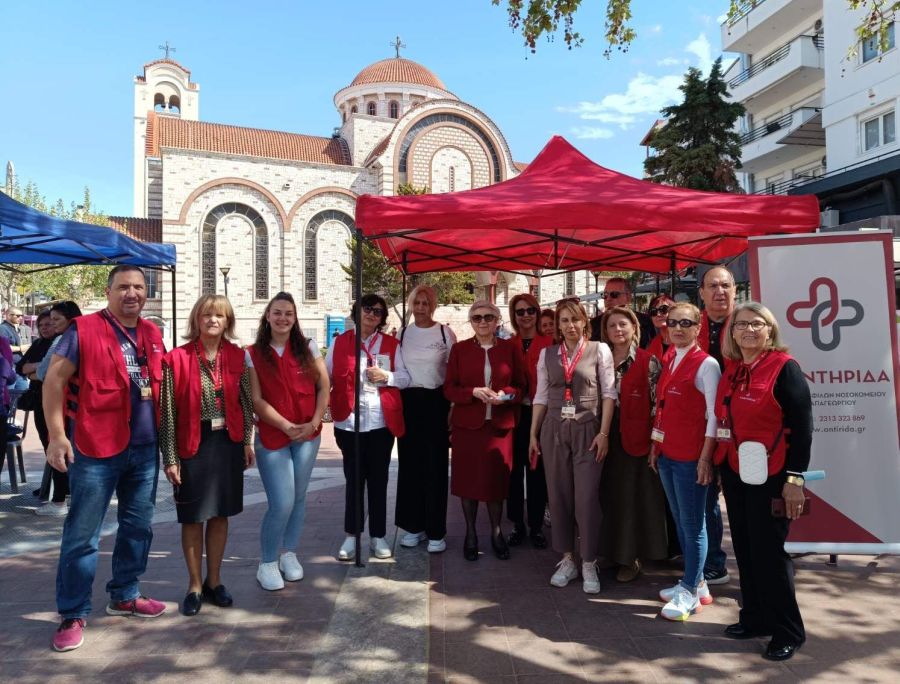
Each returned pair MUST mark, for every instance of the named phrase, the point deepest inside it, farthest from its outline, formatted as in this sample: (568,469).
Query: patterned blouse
(208,409)
(653,373)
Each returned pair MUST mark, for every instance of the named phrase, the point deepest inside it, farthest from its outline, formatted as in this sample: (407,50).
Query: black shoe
(716,576)
(517,536)
(219,596)
(191,604)
(538,540)
(470,549)
(740,631)
(501,550)
(780,652)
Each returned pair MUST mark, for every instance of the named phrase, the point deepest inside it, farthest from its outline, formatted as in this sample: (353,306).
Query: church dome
(398,70)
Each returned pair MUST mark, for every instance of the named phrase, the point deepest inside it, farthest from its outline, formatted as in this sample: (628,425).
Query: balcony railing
(743,9)
(782,187)
(779,124)
(769,60)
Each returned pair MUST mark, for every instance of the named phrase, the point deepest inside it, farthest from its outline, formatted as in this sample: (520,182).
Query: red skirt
(481,462)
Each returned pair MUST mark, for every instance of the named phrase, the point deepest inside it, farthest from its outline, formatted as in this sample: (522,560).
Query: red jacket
(755,415)
(343,384)
(656,346)
(103,417)
(681,408)
(287,387)
(186,372)
(634,406)
(538,343)
(465,372)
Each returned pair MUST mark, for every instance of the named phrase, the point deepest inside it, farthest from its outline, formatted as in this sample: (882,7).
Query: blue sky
(67,70)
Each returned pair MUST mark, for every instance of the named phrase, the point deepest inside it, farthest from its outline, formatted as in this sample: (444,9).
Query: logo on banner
(827,315)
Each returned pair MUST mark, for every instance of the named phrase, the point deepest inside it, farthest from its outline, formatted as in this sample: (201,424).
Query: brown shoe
(628,573)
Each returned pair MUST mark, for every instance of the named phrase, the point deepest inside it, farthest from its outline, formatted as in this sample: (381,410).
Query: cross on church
(397,45)
(167,48)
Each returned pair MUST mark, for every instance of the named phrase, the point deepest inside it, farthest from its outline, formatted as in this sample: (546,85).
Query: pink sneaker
(140,607)
(70,635)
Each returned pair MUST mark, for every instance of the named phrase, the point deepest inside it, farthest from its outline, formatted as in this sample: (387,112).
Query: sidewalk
(416,618)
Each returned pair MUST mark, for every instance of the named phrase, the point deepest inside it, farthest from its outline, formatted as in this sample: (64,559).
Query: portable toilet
(334,326)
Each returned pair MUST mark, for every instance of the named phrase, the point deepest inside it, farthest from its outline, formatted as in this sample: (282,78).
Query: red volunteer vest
(103,416)
(186,371)
(634,406)
(289,388)
(681,407)
(343,367)
(755,414)
(655,348)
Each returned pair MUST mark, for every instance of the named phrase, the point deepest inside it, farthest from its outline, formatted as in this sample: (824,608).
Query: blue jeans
(285,476)
(132,475)
(715,556)
(687,500)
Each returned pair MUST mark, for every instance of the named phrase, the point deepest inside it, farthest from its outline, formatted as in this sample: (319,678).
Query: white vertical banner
(833,297)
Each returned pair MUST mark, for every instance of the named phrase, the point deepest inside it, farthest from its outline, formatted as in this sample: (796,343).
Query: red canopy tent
(564,212)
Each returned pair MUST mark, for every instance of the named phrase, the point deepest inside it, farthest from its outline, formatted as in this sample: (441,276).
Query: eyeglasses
(683,323)
(374,310)
(612,294)
(487,318)
(659,310)
(755,326)
(530,311)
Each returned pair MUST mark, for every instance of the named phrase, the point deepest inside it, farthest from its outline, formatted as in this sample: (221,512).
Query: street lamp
(224,270)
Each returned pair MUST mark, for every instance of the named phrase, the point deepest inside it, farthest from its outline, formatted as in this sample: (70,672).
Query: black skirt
(212,482)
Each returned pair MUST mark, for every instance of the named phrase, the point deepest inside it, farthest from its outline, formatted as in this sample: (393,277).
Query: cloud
(701,48)
(645,95)
(668,61)
(591,133)
(657,28)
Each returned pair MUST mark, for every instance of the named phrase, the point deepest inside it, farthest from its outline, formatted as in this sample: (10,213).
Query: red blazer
(538,343)
(465,372)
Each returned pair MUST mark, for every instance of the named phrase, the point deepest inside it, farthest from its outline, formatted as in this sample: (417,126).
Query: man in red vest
(717,292)
(101,400)
(617,292)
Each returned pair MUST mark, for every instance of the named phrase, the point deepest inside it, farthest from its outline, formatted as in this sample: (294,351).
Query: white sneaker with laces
(682,606)
(52,510)
(703,594)
(411,539)
(380,548)
(290,567)
(590,581)
(565,572)
(348,549)
(268,576)
(436,546)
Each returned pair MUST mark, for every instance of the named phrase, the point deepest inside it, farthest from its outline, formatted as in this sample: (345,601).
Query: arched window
(310,257)
(452,179)
(208,273)
(394,109)
(353,109)
(175,104)
(159,102)
(370,109)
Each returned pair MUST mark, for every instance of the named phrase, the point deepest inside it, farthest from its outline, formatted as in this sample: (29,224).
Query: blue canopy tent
(28,236)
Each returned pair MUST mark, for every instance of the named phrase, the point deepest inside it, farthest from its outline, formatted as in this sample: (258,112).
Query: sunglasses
(374,310)
(683,323)
(612,294)
(530,311)
(487,318)
(659,310)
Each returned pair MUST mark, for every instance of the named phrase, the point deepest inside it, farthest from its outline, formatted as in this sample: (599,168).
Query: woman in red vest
(683,439)
(632,497)
(485,380)
(290,393)
(764,405)
(382,374)
(205,436)
(658,311)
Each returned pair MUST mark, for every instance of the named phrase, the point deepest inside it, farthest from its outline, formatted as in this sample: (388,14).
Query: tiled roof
(520,166)
(167,131)
(378,150)
(143,229)
(398,70)
(143,78)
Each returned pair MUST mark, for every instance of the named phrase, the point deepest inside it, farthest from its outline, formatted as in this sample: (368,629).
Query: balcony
(782,139)
(760,22)
(780,74)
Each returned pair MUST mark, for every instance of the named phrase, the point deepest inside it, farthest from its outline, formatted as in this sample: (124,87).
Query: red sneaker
(70,635)
(140,607)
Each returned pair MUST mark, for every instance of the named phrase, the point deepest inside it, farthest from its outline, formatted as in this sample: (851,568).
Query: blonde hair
(730,349)
(619,311)
(429,293)
(211,302)
(687,306)
(528,299)
(573,307)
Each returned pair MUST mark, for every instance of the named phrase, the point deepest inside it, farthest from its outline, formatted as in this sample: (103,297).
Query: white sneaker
(590,581)
(412,539)
(290,567)
(565,572)
(348,549)
(51,509)
(379,547)
(436,546)
(703,594)
(268,576)
(682,605)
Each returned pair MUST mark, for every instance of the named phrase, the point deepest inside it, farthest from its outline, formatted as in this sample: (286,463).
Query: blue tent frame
(28,236)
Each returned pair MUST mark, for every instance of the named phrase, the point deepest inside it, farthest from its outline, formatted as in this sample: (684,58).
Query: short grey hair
(484,304)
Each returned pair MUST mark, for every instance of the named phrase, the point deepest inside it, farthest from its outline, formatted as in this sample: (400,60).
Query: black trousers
(424,458)
(523,477)
(375,457)
(768,601)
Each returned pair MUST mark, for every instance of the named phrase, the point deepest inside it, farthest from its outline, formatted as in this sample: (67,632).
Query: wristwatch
(795,480)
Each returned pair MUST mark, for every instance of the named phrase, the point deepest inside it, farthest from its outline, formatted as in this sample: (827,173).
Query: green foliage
(877,17)
(410,189)
(698,147)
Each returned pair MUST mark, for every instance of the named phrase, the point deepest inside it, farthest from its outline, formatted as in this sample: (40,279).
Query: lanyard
(215,371)
(569,369)
(138,344)
(367,348)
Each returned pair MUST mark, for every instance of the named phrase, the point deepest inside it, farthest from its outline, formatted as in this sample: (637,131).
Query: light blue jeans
(687,500)
(285,476)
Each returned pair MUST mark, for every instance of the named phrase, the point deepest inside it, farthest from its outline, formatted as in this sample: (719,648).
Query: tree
(698,147)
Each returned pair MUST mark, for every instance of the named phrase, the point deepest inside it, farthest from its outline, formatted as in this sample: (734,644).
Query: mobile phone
(505,396)
(778,507)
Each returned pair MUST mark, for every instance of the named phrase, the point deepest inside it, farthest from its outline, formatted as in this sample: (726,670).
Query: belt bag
(753,462)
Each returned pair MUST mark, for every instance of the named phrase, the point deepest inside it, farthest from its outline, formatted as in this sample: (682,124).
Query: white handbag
(753,462)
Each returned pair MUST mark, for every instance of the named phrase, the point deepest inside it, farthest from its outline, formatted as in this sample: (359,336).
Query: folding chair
(14,436)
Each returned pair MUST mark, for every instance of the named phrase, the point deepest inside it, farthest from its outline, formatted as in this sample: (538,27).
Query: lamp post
(224,270)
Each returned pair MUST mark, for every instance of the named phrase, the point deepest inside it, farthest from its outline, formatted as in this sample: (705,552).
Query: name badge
(146,393)
(723,434)
(568,410)
(217,424)
(657,435)
(383,361)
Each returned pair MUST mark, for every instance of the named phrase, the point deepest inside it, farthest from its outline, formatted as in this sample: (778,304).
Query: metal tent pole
(357,322)
(672,276)
(174,313)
